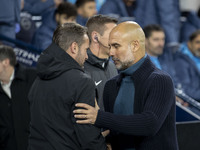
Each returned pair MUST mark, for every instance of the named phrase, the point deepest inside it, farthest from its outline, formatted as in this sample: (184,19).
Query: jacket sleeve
(89,136)
(109,7)
(169,21)
(160,100)
(42,39)
(189,26)
(9,12)
(159,12)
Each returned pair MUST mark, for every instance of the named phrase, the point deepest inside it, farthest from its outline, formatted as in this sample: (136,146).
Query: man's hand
(86,112)
(178,99)
(105,133)
(109,146)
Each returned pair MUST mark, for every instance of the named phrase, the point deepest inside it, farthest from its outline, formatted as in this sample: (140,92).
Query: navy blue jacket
(81,20)
(152,127)
(9,11)
(150,12)
(114,7)
(37,7)
(9,18)
(167,62)
(117,8)
(188,75)
(191,25)
(43,35)
(160,12)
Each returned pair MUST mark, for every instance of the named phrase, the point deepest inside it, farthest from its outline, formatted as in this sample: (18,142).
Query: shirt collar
(94,60)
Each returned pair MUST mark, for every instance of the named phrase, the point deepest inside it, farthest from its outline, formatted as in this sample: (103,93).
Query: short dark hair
(7,52)
(97,23)
(152,28)
(68,33)
(67,8)
(194,35)
(80,3)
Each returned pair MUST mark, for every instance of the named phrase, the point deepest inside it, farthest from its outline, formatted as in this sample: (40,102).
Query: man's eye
(116,46)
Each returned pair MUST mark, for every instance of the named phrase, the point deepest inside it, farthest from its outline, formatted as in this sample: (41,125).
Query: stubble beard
(124,65)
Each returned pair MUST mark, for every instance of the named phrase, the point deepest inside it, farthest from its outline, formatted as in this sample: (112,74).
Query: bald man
(139,102)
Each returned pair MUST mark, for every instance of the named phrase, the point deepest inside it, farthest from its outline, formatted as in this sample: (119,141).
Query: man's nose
(111,53)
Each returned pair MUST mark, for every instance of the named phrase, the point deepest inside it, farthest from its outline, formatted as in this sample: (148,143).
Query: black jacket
(14,112)
(100,70)
(60,84)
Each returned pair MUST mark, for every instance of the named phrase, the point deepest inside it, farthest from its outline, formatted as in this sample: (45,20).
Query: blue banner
(26,54)
(26,57)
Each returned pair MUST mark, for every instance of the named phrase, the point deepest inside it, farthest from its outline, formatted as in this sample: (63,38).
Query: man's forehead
(115,31)
(114,39)
(156,33)
(114,34)
(89,4)
(117,36)
(197,38)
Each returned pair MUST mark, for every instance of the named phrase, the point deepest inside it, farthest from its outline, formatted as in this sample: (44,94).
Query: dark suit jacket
(14,112)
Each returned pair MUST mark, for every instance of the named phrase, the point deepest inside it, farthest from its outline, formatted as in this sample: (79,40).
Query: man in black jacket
(15,82)
(98,65)
(60,84)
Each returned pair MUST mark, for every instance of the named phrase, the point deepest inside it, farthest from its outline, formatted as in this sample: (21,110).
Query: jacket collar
(54,61)
(141,73)
(95,61)
(19,72)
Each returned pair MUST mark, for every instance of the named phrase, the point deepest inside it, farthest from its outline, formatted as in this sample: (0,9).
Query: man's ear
(74,48)
(94,36)
(80,11)
(135,45)
(57,16)
(6,62)
(189,44)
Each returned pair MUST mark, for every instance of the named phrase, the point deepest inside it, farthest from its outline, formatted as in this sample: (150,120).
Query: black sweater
(152,127)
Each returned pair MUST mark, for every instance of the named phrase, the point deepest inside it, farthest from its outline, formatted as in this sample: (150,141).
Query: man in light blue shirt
(192,48)
(85,9)
(160,55)
(187,65)
(155,41)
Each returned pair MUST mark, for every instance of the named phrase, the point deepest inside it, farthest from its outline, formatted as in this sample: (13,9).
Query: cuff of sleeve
(103,119)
